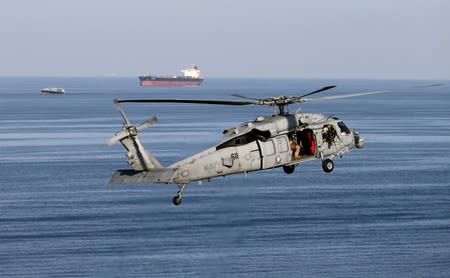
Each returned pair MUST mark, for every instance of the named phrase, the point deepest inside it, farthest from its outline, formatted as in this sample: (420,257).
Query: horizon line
(232,77)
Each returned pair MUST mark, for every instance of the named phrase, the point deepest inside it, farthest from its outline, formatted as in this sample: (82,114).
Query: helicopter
(280,140)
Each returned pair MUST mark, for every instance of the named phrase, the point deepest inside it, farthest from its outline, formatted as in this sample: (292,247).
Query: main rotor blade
(254,100)
(319,90)
(373,92)
(196,101)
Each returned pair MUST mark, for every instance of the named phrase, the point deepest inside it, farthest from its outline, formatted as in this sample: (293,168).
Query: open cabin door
(307,141)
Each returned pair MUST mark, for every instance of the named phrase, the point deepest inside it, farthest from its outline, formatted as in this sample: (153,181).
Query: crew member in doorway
(328,134)
(295,147)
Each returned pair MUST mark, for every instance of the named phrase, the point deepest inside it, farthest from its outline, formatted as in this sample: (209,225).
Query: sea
(383,212)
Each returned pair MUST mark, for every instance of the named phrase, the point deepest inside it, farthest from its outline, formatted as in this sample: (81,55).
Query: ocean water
(383,212)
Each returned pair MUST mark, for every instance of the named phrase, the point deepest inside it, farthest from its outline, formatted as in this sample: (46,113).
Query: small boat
(53,91)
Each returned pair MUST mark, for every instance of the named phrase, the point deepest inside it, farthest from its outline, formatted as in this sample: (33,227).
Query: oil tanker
(190,77)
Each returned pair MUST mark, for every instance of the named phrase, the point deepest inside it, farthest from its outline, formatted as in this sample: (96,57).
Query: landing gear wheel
(288,169)
(328,165)
(176,200)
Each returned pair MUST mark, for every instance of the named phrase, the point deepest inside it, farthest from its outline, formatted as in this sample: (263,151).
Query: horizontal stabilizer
(156,175)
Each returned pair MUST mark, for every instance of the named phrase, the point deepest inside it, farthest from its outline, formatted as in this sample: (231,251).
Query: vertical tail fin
(138,156)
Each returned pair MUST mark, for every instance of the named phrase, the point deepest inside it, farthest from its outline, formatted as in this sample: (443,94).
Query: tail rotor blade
(112,140)
(147,123)
(116,138)
(122,113)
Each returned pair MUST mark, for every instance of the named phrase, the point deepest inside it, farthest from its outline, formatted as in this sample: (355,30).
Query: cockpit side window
(343,127)
(253,135)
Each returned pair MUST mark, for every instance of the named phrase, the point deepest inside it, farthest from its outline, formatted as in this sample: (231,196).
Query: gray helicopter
(271,141)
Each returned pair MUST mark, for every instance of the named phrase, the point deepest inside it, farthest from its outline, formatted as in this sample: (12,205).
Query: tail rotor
(130,130)
(138,156)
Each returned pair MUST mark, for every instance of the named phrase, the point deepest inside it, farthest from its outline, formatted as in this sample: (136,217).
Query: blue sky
(401,39)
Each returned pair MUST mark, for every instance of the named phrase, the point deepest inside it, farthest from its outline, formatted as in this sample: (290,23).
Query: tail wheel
(176,200)
(288,169)
(328,165)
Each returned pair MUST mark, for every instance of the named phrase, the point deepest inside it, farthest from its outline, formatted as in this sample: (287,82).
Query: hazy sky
(235,38)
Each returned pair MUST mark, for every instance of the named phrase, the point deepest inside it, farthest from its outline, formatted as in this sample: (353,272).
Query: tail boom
(157,175)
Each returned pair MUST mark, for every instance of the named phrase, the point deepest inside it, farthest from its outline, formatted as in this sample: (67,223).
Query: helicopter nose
(359,141)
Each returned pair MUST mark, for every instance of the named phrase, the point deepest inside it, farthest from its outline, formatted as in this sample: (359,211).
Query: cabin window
(344,128)
(282,144)
(253,135)
(268,148)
